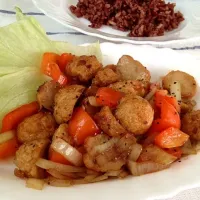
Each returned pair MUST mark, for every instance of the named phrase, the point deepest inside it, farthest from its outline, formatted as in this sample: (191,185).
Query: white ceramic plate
(187,35)
(180,176)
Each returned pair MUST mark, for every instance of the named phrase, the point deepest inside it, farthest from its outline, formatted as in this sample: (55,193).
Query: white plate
(187,35)
(164,184)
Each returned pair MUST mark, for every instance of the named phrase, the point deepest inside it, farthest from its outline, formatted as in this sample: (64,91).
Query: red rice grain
(143,18)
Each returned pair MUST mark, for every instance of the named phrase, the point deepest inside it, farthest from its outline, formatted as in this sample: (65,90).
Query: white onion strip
(93,102)
(175,90)
(6,136)
(135,152)
(63,169)
(150,95)
(66,150)
(141,168)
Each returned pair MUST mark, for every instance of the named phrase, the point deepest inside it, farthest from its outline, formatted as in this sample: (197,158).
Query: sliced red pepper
(48,58)
(64,59)
(171,138)
(82,126)
(58,158)
(50,68)
(108,97)
(54,72)
(12,119)
(8,148)
(160,95)
(169,116)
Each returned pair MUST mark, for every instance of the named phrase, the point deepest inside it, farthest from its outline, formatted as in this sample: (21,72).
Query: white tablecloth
(59,32)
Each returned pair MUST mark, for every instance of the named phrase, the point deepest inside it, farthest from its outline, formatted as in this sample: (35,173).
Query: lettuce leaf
(19,88)
(22,45)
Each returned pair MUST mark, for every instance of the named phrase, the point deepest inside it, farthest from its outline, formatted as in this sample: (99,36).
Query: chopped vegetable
(160,95)
(8,149)
(187,82)
(47,164)
(57,175)
(57,157)
(34,183)
(59,183)
(82,126)
(6,136)
(108,97)
(157,155)
(53,70)
(66,150)
(152,92)
(138,169)
(63,60)
(12,119)
(171,138)
(49,58)
(99,178)
(169,116)
(113,173)
(135,152)
(93,102)
(175,90)
(89,178)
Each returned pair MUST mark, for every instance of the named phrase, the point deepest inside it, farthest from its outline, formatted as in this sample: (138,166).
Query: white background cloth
(59,32)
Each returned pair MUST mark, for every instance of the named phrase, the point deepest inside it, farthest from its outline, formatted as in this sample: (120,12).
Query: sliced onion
(79,181)
(81,174)
(150,95)
(33,183)
(92,172)
(4,137)
(57,175)
(99,178)
(113,173)
(71,175)
(47,164)
(157,155)
(90,178)
(135,152)
(123,174)
(188,149)
(141,168)
(59,183)
(107,145)
(69,152)
(175,90)
(103,147)
(93,102)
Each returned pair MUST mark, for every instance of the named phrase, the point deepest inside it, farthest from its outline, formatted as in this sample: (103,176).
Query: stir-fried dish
(93,122)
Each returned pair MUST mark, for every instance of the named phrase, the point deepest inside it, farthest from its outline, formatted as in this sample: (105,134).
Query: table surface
(59,32)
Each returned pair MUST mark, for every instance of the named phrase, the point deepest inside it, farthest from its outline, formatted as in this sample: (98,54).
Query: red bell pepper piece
(108,97)
(171,138)
(82,126)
